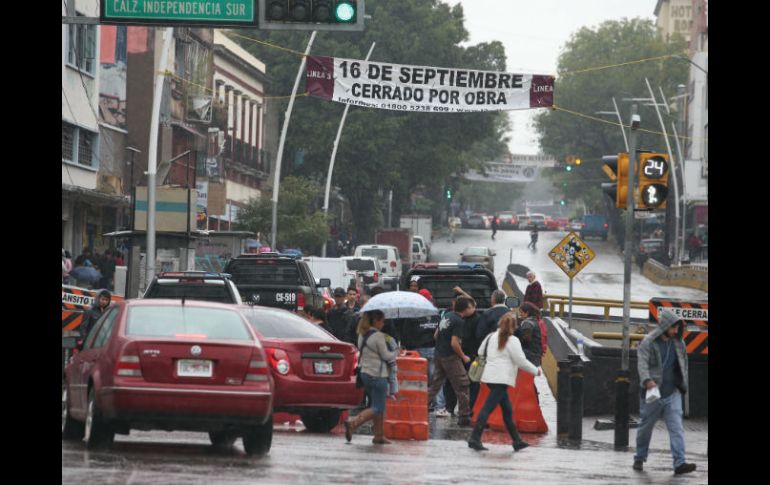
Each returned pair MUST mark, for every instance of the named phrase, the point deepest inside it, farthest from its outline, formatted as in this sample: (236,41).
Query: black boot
(475,439)
(518,443)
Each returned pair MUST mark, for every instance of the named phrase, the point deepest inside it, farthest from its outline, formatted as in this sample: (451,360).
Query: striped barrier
(695,312)
(75,302)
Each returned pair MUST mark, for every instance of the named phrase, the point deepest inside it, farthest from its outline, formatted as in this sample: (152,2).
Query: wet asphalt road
(601,278)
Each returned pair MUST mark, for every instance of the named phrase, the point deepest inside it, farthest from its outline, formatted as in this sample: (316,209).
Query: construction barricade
(406,417)
(526,410)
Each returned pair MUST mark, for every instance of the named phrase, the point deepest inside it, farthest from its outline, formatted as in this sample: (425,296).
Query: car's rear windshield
(381,254)
(360,264)
(180,321)
(441,287)
(213,291)
(285,326)
(539,218)
(507,215)
(264,271)
(476,252)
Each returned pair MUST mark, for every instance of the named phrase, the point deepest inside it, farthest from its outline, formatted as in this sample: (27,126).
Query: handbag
(359,381)
(476,369)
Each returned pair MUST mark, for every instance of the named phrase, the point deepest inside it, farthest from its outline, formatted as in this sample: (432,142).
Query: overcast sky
(534,34)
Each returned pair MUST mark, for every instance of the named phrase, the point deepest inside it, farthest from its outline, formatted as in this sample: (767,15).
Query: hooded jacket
(94,314)
(649,360)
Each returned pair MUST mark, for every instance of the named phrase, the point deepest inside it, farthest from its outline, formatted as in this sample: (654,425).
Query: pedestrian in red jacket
(534,293)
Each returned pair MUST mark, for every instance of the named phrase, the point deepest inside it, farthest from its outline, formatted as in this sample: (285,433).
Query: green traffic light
(344,12)
(562,202)
(569,168)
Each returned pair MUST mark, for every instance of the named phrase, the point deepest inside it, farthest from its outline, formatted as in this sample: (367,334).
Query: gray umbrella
(401,304)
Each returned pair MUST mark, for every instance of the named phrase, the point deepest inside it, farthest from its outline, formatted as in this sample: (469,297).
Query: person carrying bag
(503,357)
(374,360)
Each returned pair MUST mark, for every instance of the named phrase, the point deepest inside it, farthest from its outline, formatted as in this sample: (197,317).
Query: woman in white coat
(504,358)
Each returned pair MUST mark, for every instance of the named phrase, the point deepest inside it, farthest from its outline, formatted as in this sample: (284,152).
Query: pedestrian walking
(374,374)
(339,316)
(663,377)
(534,291)
(488,321)
(533,236)
(530,335)
(504,359)
(494,226)
(450,358)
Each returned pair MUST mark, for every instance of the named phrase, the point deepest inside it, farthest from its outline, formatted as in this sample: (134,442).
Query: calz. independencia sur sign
(427,89)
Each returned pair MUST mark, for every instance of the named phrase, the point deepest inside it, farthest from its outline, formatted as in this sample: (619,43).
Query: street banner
(503,173)
(424,89)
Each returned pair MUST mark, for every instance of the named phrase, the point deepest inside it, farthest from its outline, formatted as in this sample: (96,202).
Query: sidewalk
(595,455)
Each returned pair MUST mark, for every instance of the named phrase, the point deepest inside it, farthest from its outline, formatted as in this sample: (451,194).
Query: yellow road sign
(571,254)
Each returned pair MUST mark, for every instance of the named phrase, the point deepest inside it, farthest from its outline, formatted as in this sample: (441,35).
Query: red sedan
(170,365)
(314,373)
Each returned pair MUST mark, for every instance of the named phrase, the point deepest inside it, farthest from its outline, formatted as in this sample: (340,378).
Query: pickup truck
(194,285)
(274,280)
(441,278)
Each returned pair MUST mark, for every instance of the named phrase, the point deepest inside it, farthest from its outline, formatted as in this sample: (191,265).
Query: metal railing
(551,302)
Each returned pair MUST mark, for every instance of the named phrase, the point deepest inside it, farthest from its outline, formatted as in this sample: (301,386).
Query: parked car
(551,224)
(194,285)
(314,373)
(170,365)
(651,248)
(507,220)
(481,255)
(562,223)
(332,268)
(390,261)
(441,279)
(477,221)
(594,225)
(270,279)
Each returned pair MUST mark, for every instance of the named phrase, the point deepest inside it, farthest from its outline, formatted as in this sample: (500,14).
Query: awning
(93,196)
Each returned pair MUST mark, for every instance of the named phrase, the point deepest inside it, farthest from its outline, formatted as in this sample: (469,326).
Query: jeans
(429,353)
(498,395)
(377,389)
(671,409)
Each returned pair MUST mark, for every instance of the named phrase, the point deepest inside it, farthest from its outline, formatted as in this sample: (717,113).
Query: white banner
(504,172)
(424,89)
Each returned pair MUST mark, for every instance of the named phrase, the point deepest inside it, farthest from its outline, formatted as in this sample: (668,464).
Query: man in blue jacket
(662,363)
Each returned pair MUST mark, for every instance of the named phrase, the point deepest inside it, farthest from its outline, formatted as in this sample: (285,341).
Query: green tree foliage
(564,134)
(299,223)
(382,149)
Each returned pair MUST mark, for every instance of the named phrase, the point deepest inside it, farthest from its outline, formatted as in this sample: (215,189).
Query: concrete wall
(688,276)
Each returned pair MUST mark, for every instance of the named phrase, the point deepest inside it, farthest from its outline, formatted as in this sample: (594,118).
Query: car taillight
(582,225)
(376,277)
(128,364)
(606,226)
(392,264)
(279,360)
(257,371)
(301,301)
(498,220)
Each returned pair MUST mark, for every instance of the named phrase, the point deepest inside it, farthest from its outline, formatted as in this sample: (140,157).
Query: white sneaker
(442,413)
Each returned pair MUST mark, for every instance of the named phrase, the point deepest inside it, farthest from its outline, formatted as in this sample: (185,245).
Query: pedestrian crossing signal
(653,180)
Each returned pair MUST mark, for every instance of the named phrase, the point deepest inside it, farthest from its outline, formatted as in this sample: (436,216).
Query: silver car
(481,255)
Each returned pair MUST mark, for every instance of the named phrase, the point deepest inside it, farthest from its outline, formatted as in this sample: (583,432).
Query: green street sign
(210,13)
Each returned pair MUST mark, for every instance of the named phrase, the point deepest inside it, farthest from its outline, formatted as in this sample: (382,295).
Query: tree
(563,134)
(300,224)
(382,149)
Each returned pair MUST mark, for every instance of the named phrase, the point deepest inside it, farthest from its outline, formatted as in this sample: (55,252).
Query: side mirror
(70,342)
(325,283)
(512,302)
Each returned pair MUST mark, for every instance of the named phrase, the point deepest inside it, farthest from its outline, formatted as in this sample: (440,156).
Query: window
(181,322)
(82,47)
(106,330)
(285,325)
(96,329)
(85,141)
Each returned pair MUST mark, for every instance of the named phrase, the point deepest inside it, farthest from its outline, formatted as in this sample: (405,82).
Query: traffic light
(653,181)
(578,161)
(616,168)
(448,193)
(563,202)
(334,15)
(568,168)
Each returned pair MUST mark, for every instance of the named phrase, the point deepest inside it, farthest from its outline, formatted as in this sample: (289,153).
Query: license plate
(194,368)
(323,367)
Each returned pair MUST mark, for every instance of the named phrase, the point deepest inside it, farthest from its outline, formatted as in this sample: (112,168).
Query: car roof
(651,240)
(176,302)
(376,246)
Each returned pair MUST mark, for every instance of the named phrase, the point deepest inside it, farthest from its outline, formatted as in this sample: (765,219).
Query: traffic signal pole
(279,157)
(622,381)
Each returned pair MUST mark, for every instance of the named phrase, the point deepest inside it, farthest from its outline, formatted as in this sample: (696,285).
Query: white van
(389,258)
(367,267)
(332,268)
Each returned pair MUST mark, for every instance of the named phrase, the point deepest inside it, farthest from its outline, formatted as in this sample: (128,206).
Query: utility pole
(132,214)
(622,381)
(334,157)
(279,157)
